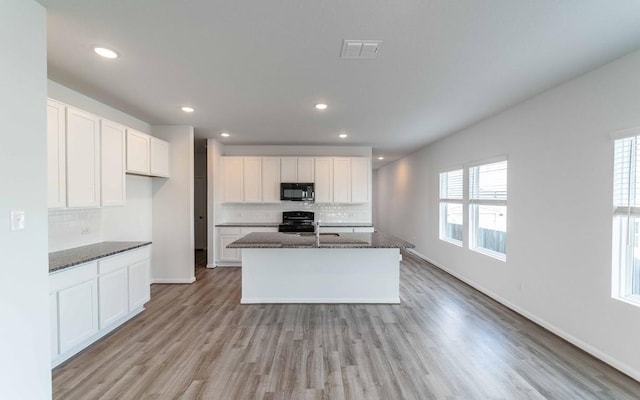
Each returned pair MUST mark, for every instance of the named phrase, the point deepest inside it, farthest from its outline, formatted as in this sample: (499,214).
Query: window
(488,209)
(626,219)
(451,207)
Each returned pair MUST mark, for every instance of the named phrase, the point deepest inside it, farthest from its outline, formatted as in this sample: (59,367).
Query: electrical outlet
(17,220)
(85,230)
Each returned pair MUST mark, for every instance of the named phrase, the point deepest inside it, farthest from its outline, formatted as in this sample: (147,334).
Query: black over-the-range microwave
(297,191)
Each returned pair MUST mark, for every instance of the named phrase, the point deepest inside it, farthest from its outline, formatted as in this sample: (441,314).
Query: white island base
(320,275)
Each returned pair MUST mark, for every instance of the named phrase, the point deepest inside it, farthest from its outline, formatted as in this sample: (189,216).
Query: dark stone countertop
(275,224)
(60,260)
(340,241)
(248,225)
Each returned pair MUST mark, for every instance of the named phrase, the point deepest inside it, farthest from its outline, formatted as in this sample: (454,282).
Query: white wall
(173,237)
(558,269)
(134,220)
(25,371)
(71,97)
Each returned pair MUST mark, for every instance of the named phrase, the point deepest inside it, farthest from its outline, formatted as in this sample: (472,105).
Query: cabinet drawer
(113,263)
(230,231)
(72,276)
(250,229)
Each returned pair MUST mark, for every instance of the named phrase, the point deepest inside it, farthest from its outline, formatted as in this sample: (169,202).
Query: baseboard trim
(163,280)
(211,266)
(597,353)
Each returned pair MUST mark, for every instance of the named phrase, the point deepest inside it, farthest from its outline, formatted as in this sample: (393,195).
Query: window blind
(626,176)
(451,186)
(488,181)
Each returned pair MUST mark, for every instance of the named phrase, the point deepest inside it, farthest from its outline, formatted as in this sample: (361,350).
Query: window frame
(474,205)
(625,221)
(444,201)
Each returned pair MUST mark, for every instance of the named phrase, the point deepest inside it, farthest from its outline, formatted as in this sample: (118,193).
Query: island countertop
(266,240)
(60,260)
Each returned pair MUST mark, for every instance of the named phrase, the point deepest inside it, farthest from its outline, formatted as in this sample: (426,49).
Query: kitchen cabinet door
(112,148)
(77,314)
(252,179)
(341,180)
(305,169)
(232,180)
(225,254)
(83,159)
(289,169)
(139,284)
(53,324)
(113,297)
(159,157)
(138,157)
(324,179)
(270,179)
(360,177)
(56,155)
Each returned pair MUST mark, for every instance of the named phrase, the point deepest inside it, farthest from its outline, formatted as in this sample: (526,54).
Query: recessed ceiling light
(187,109)
(225,134)
(342,135)
(104,52)
(380,158)
(321,106)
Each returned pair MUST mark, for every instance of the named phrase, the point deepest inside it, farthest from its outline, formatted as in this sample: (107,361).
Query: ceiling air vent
(360,48)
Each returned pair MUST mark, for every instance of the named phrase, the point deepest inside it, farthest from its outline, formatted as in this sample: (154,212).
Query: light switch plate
(17,220)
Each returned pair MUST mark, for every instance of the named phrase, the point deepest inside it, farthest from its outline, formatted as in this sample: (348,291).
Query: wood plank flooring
(445,341)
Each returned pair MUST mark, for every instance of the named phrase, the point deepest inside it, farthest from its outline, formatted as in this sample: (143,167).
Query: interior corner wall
(214,152)
(173,258)
(560,182)
(25,369)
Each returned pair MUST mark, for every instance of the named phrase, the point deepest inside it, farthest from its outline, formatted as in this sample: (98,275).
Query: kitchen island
(334,268)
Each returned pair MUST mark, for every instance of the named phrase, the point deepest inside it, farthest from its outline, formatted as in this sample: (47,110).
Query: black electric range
(297,221)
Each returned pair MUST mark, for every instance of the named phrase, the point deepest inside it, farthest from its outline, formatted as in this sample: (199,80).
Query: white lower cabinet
(114,297)
(91,300)
(225,235)
(139,284)
(53,321)
(77,314)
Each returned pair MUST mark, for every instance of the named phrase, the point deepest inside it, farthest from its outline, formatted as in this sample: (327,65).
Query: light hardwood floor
(445,341)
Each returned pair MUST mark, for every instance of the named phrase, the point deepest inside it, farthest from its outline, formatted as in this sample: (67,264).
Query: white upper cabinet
(297,169)
(252,179)
(324,179)
(56,155)
(159,164)
(270,179)
(112,145)
(305,169)
(232,180)
(138,149)
(83,159)
(360,178)
(341,180)
(289,169)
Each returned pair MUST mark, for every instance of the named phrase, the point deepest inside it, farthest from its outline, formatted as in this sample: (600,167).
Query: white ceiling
(256,68)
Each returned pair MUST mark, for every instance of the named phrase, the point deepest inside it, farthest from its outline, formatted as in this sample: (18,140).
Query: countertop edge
(85,260)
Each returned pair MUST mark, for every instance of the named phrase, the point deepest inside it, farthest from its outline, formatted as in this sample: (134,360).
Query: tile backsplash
(73,228)
(273,212)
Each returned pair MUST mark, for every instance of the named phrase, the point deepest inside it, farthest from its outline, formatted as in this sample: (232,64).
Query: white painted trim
(211,266)
(163,280)
(254,300)
(599,354)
